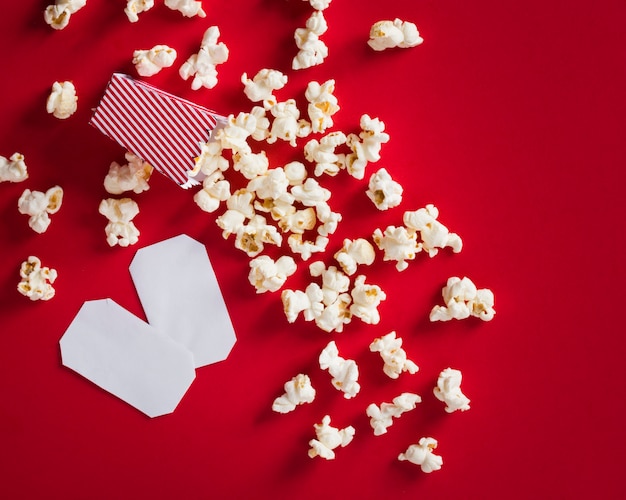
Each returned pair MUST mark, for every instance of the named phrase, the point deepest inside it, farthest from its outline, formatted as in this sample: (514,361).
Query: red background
(509,118)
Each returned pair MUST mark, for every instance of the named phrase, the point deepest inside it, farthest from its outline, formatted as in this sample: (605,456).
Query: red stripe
(164,130)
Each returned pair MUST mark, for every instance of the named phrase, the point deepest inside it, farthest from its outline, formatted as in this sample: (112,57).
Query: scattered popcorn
(297,391)
(265,82)
(250,165)
(62,101)
(322,153)
(210,160)
(312,51)
(202,66)
(295,172)
(310,193)
(234,135)
(365,301)
(299,221)
(271,185)
(215,189)
(329,438)
(40,206)
(188,8)
(345,372)
(434,234)
(398,244)
(267,275)
(366,146)
(355,253)
(239,208)
(252,236)
(334,282)
(322,104)
(132,176)
(422,454)
(136,7)
(150,62)
(306,248)
(462,299)
(14,169)
(308,302)
(329,220)
(394,357)
(382,417)
(262,129)
(286,124)
(384,191)
(319,4)
(120,230)
(448,390)
(36,283)
(58,15)
(396,33)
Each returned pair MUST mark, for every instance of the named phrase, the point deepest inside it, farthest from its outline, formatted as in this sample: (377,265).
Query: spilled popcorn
(62,101)
(394,357)
(462,299)
(132,176)
(39,206)
(381,417)
(422,454)
(58,14)
(329,438)
(298,391)
(151,61)
(188,8)
(136,7)
(311,49)
(120,229)
(345,372)
(36,283)
(13,169)
(202,65)
(448,390)
(269,275)
(384,192)
(397,33)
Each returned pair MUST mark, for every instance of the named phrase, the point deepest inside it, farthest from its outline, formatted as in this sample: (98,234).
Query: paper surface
(182,299)
(127,357)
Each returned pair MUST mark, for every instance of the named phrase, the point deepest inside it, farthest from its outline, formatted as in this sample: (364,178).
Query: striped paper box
(162,129)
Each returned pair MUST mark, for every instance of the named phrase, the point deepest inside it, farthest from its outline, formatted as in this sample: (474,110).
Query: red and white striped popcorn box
(161,128)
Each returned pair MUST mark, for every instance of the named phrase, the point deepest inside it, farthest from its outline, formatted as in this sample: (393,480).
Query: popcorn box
(161,128)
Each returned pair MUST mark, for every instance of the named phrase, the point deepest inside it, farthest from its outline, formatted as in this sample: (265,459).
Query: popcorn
(285,125)
(299,221)
(434,234)
(234,135)
(382,417)
(36,283)
(215,189)
(264,83)
(345,372)
(462,299)
(422,454)
(319,4)
(40,206)
(295,172)
(384,191)
(136,7)
(62,101)
(308,302)
(132,176)
(394,357)
(310,193)
(211,159)
(389,34)
(120,229)
(329,438)
(334,282)
(322,153)
(366,146)
(262,129)
(249,164)
(306,248)
(312,51)
(354,253)
(267,275)
(14,169)
(239,208)
(58,15)
(202,66)
(335,315)
(398,244)
(188,8)
(297,391)
(271,185)
(150,62)
(330,220)
(322,104)
(252,236)
(365,301)
(448,390)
